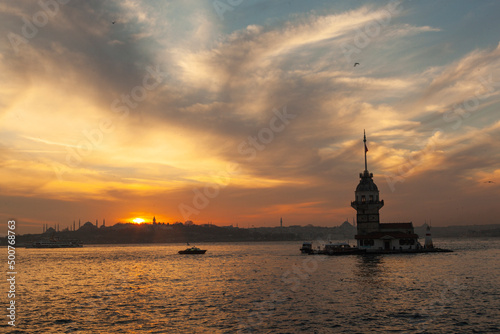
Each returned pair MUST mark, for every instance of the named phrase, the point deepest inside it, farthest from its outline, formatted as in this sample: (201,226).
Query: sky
(245,111)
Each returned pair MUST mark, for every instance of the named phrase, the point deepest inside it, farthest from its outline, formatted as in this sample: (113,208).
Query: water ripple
(257,288)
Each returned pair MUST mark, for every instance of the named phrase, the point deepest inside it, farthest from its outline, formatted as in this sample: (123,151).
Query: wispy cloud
(423,118)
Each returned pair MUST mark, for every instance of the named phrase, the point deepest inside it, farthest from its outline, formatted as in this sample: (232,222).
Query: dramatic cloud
(119,109)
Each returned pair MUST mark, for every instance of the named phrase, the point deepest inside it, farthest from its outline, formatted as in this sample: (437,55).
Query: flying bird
(356,64)
(489,182)
(113,22)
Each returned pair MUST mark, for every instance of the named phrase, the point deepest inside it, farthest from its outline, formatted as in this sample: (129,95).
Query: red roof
(392,226)
(380,235)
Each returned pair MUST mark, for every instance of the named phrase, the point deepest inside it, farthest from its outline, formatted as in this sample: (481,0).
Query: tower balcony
(367,204)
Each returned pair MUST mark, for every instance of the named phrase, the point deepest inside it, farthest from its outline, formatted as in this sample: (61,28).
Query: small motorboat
(307,248)
(193,250)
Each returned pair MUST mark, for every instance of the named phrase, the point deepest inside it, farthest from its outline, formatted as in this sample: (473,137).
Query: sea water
(256,288)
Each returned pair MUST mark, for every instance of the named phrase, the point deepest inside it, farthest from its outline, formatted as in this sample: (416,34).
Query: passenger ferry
(55,243)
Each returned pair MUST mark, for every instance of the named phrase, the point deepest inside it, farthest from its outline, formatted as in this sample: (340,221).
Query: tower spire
(366,149)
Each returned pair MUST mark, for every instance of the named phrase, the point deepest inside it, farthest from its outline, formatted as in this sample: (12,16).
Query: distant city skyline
(247,112)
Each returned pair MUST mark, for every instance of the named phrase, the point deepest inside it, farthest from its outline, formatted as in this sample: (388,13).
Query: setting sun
(138,220)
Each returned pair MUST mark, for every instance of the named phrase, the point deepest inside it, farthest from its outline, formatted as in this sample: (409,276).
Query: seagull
(356,64)
(113,22)
(489,182)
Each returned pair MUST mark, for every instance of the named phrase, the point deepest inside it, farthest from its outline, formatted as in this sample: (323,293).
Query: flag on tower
(364,140)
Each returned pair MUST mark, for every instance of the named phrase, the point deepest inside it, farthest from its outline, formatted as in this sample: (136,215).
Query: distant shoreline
(127,234)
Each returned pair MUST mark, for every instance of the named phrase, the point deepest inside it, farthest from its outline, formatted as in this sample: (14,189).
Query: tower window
(363,199)
(371,198)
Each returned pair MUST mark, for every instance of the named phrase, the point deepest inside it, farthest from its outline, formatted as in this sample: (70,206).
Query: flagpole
(364,140)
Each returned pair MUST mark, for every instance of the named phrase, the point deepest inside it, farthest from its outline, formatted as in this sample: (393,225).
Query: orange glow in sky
(211,136)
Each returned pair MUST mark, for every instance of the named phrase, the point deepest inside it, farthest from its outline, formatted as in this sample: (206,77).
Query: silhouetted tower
(96,223)
(103,222)
(74,225)
(154,220)
(79,224)
(367,203)
(281,222)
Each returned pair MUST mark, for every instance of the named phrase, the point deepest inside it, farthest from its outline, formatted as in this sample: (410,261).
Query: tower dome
(366,183)
(366,191)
